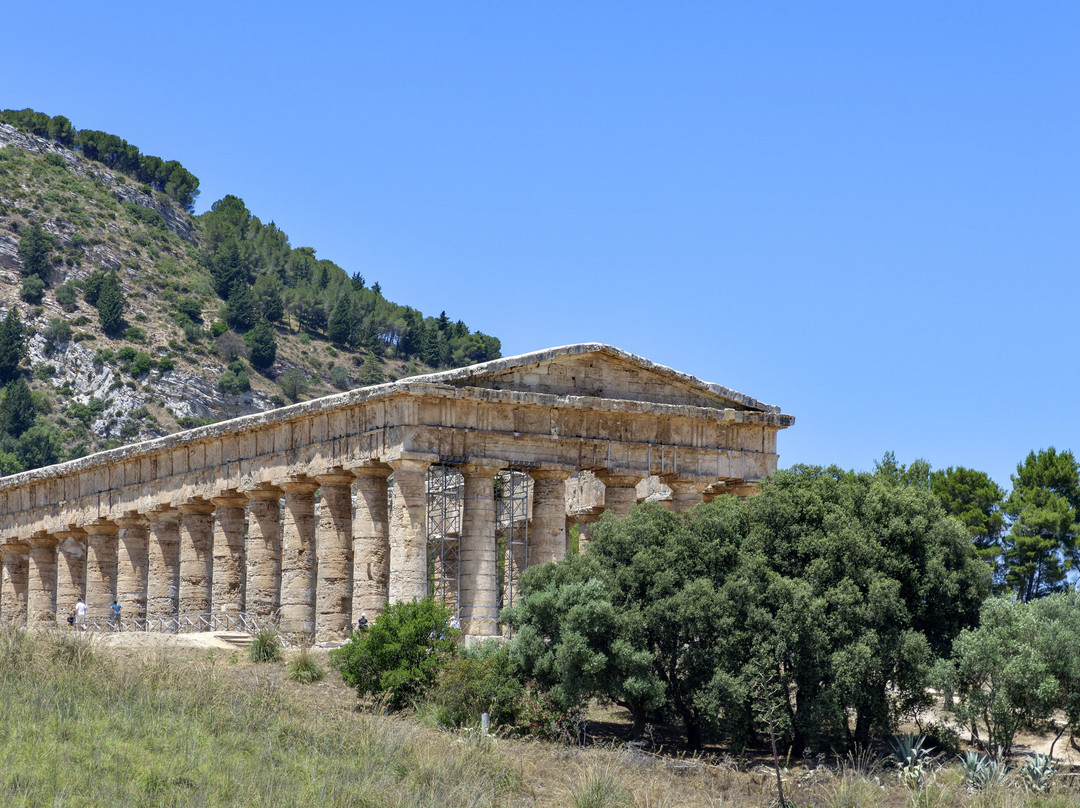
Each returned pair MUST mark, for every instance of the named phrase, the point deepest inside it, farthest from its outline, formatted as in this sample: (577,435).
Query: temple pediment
(599,371)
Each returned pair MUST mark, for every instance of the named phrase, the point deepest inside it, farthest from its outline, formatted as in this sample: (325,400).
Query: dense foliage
(840,587)
(166,176)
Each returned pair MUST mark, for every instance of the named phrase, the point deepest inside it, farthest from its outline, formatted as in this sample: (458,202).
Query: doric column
(479,581)
(228,542)
(196,558)
(298,558)
(333,589)
(13,588)
(71,569)
(264,552)
(41,580)
(163,564)
(585,521)
(686,493)
(620,492)
(408,531)
(101,538)
(547,532)
(131,565)
(371,541)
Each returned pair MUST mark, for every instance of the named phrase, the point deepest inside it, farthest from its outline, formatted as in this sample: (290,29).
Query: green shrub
(339,377)
(165,364)
(135,334)
(67,296)
(33,289)
(304,668)
(400,654)
(478,681)
(217,328)
(293,383)
(56,332)
(265,646)
(189,308)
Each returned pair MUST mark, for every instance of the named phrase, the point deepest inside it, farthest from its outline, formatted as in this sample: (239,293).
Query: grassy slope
(86,725)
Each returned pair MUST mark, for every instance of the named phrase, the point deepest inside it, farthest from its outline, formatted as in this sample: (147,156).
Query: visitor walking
(116,616)
(80,615)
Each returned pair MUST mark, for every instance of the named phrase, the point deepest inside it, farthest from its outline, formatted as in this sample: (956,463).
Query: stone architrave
(263,595)
(71,570)
(196,559)
(371,541)
(547,532)
(101,541)
(41,581)
(13,594)
(131,565)
(479,590)
(298,559)
(620,492)
(333,540)
(228,540)
(163,564)
(408,531)
(686,493)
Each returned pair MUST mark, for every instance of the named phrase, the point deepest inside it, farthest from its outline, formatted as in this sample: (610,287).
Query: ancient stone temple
(445,484)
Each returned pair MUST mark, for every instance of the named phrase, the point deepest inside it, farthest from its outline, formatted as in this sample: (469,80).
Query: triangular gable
(602,371)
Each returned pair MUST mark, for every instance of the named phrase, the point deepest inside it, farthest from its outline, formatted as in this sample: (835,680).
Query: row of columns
(263,552)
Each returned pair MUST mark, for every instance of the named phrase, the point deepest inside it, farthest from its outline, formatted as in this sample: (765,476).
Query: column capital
(196,505)
(298,485)
(14,546)
(552,472)
(619,479)
(132,519)
(73,532)
(480,469)
(43,539)
(336,476)
(102,527)
(164,513)
(230,498)
(372,468)
(410,464)
(264,491)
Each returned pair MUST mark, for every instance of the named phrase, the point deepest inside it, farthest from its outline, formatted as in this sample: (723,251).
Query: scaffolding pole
(512,527)
(444,492)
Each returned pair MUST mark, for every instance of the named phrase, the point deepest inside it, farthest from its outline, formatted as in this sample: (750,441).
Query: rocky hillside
(139,319)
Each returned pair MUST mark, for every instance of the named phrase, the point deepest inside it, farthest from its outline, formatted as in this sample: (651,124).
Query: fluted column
(196,558)
(41,580)
(479,581)
(264,552)
(547,532)
(408,531)
(71,569)
(620,492)
(371,541)
(298,558)
(13,588)
(228,542)
(131,565)
(686,493)
(333,540)
(101,539)
(163,564)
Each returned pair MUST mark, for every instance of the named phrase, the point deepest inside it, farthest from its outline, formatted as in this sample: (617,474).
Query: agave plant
(983,771)
(1039,771)
(913,758)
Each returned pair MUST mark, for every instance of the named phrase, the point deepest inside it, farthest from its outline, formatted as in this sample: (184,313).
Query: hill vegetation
(125,317)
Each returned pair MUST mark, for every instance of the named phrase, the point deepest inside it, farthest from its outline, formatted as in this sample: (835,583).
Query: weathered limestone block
(41,581)
(408,531)
(620,492)
(131,566)
(163,564)
(478,581)
(333,593)
(264,552)
(298,559)
(13,594)
(196,558)
(371,541)
(101,540)
(547,533)
(71,570)
(229,538)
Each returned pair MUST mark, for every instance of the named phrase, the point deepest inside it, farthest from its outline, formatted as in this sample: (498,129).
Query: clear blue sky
(865,213)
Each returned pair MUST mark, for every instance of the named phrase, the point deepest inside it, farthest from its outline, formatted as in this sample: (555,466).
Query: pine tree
(35,245)
(341,321)
(110,305)
(241,312)
(16,408)
(12,347)
(262,342)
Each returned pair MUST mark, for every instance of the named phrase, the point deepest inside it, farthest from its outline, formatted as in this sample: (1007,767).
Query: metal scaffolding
(512,488)
(445,487)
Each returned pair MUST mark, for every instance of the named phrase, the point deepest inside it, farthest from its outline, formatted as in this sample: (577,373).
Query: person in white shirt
(80,615)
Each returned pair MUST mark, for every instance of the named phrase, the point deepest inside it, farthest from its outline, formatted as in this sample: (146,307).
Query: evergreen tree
(341,321)
(12,347)
(241,312)
(226,268)
(371,371)
(262,342)
(110,305)
(35,247)
(357,281)
(16,408)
